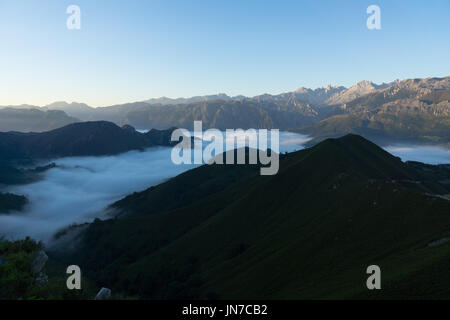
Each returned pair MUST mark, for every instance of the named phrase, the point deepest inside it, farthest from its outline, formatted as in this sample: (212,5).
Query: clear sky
(134,50)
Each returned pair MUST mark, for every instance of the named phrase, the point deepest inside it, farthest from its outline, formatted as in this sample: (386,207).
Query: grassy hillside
(18,280)
(187,188)
(11,202)
(308,232)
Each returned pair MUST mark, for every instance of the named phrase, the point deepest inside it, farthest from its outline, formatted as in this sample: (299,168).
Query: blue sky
(134,50)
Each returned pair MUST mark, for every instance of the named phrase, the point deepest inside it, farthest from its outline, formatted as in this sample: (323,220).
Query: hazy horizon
(212,94)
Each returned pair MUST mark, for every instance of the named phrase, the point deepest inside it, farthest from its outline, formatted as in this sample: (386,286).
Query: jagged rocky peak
(333,88)
(364,84)
(429,83)
(103,294)
(302,90)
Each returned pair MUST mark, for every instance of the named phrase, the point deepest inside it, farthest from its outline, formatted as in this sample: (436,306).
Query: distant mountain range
(416,110)
(309,232)
(19,152)
(166,101)
(411,111)
(28,119)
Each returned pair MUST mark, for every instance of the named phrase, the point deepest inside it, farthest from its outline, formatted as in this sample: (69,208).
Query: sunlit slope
(308,232)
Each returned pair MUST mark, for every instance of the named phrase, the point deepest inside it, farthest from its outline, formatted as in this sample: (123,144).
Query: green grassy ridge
(308,232)
(107,240)
(13,173)
(10,175)
(254,272)
(185,189)
(420,273)
(16,278)
(11,202)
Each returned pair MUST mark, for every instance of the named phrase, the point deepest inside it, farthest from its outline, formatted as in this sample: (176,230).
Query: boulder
(39,262)
(103,294)
(41,279)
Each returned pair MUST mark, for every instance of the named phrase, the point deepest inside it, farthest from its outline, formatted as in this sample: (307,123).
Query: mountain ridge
(308,232)
(411,110)
(92,138)
(28,119)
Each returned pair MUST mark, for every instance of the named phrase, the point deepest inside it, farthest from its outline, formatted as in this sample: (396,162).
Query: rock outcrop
(39,262)
(103,294)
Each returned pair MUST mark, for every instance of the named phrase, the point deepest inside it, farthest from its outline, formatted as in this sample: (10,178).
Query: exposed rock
(438,242)
(39,262)
(103,294)
(41,279)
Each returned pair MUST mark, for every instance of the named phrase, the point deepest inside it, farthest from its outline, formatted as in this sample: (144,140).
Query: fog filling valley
(425,154)
(79,189)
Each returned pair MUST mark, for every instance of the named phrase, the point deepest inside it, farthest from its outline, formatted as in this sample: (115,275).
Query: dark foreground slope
(79,139)
(308,232)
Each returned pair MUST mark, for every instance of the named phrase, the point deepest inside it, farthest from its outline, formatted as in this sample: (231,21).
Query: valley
(198,232)
(224,159)
(331,211)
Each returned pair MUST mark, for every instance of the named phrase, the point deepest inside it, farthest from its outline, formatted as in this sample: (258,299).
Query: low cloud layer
(425,154)
(80,188)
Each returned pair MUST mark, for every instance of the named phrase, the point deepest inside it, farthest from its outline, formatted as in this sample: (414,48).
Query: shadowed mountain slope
(308,232)
(79,139)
